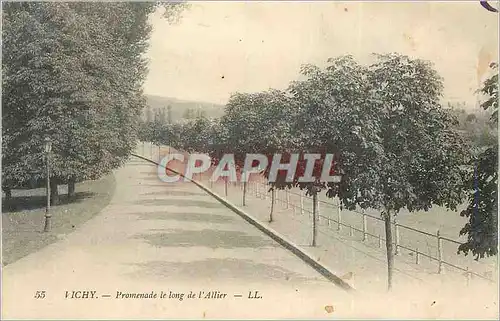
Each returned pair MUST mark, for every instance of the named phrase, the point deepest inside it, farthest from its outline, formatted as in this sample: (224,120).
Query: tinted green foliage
(396,147)
(73,72)
(482,228)
(477,127)
(192,135)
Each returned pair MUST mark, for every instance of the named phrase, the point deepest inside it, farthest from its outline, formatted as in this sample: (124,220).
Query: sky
(218,48)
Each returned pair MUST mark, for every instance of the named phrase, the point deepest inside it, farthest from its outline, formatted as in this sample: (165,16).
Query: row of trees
(72,72)
(478,128)
(189,135)
(396,146)
(192,113)
(158,114)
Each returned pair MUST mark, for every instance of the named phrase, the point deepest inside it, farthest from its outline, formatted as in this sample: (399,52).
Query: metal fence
(434,247)
(371,229)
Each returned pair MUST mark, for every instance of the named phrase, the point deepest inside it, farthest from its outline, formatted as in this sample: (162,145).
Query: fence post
(467,275)
(287,198)
(440,252)
(317,209)
(301,203)
(315,216)
(379,241)
(339,216)
(350,231)
(396,227)
(364,226)
(244,192)
(225,186)
(417,256)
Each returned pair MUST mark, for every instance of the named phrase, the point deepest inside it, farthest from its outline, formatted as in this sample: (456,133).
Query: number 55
(40,294)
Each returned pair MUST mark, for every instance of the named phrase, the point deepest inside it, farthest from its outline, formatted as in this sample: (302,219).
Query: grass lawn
(23,220)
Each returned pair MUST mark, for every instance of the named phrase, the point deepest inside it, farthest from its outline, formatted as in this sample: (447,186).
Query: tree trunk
(71,188)
(244,192)
(8,197)
(8,194)
(388,245)
(315,217)
(54,193)
(301,202)
(272,205)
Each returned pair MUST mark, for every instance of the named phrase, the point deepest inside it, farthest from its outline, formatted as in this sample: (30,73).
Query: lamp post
(48,149)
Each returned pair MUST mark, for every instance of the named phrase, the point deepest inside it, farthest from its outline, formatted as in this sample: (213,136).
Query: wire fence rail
(283,197)
(298,203)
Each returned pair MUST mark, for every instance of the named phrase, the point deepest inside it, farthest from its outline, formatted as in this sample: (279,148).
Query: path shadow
(174,193)
(206,238)
(24,203)
(186,217)
(160,184)
(149,173)
(179,202)
(219,269)
(152,178)
(139,163)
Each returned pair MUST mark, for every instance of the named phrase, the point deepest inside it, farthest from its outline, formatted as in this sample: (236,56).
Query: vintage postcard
(250,160)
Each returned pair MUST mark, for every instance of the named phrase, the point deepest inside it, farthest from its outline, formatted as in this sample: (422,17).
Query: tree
(169,114)
(188,113)
(73,72)
(471,118)
(259,123)
(482,210)
(420,155)
(149,114)
(333,109)
(396,146)
(477,127)
(45,86)
(196,134)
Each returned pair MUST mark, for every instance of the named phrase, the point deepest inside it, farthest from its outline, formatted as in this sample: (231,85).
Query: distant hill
(180,107)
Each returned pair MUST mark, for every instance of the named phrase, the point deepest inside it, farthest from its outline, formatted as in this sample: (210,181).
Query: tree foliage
(482,210)
(73,72)
(396,147)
